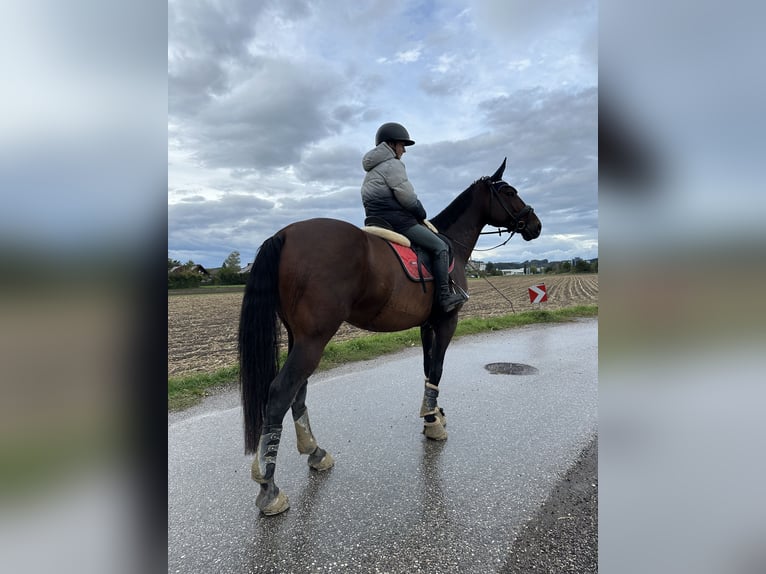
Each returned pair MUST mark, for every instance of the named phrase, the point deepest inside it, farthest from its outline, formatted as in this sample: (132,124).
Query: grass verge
(186,391)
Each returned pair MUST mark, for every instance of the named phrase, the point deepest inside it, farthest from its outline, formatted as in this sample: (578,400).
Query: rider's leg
(422,236)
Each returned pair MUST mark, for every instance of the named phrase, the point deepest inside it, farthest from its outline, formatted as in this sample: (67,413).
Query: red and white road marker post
(537,293)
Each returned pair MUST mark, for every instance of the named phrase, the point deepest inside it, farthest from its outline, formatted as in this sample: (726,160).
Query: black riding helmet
(393,132)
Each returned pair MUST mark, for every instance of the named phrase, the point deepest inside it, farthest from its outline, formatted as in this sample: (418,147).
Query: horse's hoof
(435,430)
(324,463)
(276,506)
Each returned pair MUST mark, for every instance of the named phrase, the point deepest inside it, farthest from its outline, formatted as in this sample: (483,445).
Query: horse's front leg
(434,419)
(319,459)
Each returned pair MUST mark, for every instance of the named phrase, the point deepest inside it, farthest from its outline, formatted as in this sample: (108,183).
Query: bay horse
(312,276)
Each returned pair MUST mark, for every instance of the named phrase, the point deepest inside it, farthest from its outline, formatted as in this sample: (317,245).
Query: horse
(313,275)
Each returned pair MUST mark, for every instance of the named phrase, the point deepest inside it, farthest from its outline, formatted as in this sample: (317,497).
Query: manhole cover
(510,369)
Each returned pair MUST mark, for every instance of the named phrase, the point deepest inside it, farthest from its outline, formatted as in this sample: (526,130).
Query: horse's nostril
(531,233)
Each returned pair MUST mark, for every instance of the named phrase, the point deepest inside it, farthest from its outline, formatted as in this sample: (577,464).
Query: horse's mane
(454,210)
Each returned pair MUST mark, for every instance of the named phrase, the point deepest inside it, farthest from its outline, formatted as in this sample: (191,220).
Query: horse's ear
(498,175)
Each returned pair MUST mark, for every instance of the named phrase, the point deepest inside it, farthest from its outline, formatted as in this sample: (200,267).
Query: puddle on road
(510,369)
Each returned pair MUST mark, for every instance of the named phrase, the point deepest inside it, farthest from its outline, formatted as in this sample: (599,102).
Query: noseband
(519,220)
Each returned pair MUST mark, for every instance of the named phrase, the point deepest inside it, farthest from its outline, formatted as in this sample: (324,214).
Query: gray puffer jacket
(386,191)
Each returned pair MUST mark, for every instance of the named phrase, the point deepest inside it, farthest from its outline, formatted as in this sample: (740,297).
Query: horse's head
(506,209)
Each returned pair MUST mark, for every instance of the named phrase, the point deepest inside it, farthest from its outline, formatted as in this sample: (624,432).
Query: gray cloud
(231,210)
(442,84)
(268,119)
(234,108)
(202,39)
(547,127)
(292,124)
(334,166)
(216,227)
(524,25)
(550,138)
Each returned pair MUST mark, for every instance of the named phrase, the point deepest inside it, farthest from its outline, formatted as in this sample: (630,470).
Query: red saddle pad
(409,261)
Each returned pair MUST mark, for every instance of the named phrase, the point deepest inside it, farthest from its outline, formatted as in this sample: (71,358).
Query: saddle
(415,261)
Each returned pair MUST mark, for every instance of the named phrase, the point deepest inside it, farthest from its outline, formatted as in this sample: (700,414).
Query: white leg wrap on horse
(306,441)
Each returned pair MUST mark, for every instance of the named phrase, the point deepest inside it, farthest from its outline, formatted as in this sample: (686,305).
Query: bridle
(519,223)
(519,220)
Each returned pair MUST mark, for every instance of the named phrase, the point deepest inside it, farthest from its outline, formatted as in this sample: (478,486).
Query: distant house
(247,268)
(185,276)
(474,265)
(195,268)
(519,271)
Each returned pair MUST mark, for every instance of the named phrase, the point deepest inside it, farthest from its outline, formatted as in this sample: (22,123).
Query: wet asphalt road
(394,502)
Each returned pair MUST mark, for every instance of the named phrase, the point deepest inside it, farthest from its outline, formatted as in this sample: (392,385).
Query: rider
(387,194)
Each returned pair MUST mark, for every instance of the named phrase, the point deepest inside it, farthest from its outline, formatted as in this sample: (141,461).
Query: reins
(500,232)
(493,287)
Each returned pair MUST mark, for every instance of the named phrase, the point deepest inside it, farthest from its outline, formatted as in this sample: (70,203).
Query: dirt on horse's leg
(319,459)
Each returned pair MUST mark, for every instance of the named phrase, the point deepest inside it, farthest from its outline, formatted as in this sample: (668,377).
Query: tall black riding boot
(446,298)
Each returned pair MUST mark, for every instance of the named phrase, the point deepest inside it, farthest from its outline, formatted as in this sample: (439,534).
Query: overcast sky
(272,105)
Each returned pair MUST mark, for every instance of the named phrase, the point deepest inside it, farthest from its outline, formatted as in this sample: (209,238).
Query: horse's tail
(259,334)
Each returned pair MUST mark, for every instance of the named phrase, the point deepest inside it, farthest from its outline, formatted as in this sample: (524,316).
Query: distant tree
(565,267)
(232,261)
(581,266)
(173,263)
(230,270)
(490,268)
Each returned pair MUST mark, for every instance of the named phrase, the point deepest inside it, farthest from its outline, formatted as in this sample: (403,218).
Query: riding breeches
(425,238)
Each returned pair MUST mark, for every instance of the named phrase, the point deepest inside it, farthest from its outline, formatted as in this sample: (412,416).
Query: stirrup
(454,300)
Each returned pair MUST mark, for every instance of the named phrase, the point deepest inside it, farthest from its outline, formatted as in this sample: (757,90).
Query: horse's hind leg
(319,459)
(300,363)
(270,499)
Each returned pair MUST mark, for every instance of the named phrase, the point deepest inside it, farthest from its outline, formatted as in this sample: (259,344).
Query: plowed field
(202,326)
